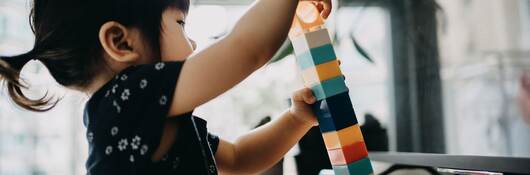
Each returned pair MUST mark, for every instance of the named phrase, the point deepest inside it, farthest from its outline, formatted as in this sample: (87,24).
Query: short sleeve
(142,87)
(213,141)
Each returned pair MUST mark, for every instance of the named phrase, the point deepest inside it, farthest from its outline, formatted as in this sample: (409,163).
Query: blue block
(335,113)
(316,56)
(361,167)
(329,88)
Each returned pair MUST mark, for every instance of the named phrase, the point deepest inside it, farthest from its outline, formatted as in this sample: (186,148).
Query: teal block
(361,167)
(341,170)
(329,88)
(316,56)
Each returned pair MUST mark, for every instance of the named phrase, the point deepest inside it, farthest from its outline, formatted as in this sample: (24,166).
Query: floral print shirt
(125,121)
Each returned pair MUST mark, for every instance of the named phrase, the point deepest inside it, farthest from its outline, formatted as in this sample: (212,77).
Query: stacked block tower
(321,72)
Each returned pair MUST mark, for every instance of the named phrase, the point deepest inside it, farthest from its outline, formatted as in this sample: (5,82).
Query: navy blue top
(125,121)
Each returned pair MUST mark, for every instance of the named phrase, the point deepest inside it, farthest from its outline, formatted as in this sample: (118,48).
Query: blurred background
(440,76)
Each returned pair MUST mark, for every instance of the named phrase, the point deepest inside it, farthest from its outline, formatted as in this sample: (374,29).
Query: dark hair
(66,39)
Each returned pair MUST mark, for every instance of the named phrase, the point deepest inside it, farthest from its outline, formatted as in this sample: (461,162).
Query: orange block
(321,73)
(348,154)
(343,137)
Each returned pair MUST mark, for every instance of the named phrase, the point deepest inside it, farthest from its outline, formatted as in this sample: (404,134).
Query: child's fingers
(309,98)
(320,6)
(327,8)
(297,96)
(304,95)
(323,6)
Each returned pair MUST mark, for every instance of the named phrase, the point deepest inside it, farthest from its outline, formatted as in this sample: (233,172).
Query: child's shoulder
(138,75)
(138,86)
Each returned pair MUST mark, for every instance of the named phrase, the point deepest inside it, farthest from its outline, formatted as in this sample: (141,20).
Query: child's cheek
(175,48)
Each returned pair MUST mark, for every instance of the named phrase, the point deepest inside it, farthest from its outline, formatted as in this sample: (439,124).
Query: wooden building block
(361,167)
(329,88)
(348,154)
(327,124)
(343,137)
(335,113)
(307,41)
(315,56)
(322,72)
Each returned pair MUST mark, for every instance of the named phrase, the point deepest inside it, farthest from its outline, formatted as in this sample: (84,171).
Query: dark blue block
(335,113)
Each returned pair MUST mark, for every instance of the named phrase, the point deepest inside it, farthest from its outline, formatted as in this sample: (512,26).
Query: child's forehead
(172,11)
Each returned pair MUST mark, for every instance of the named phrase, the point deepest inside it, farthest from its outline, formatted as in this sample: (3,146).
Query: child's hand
(323,6)
(301,108)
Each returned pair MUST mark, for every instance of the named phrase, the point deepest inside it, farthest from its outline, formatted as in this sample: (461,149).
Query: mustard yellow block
(321,72)
(343,137)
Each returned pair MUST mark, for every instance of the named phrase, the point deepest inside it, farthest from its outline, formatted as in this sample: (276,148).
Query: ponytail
(10,68)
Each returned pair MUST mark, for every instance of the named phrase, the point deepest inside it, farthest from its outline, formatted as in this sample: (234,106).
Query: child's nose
(193,44)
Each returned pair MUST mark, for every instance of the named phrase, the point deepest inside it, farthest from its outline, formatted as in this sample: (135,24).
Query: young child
(131,57)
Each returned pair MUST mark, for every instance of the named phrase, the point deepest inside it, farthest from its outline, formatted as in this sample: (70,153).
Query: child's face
(174,43)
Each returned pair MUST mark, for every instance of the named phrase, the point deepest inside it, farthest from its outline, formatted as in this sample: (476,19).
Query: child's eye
(181,22)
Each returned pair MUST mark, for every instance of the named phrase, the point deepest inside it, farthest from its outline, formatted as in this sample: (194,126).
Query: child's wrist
(298,120)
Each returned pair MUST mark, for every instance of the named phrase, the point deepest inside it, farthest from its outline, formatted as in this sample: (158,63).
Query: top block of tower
(307,18)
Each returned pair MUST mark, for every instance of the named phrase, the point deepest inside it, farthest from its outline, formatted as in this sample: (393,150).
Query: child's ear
(117,41)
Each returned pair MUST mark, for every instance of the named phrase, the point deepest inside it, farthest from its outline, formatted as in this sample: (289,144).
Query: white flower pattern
(212,168)
(135,142)
(159,65)
(123,77)
(108,150)
(163,100)
(131,158)
(114,88)
(144,149)
(117,106)
(143,84)
(125,94)
(122,144)
(107,93)
(114,131)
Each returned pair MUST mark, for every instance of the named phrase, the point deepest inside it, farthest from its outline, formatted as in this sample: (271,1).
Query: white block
(307,41)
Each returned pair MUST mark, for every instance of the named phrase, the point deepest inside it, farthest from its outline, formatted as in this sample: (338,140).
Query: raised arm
(252,42)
